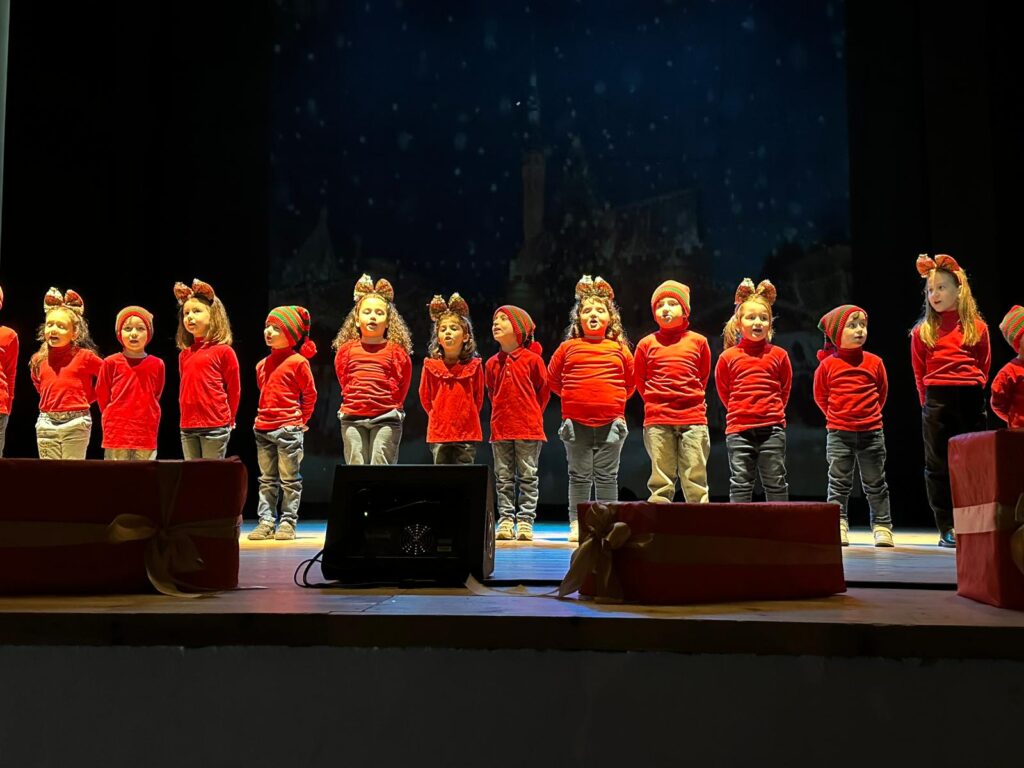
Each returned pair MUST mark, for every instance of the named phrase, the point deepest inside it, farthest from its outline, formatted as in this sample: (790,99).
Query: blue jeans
(279,453)
(593,456)
(847,450)
(512,458)
(3,432)
(205,443)
(759,451)
(453,453)
(372,439)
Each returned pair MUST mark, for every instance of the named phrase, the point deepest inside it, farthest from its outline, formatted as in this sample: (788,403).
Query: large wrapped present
(119,526)
(697,553)
(986,472)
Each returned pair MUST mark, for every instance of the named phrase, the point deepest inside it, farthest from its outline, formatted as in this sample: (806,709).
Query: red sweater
(128,392)
(1008,394)
(594,378)
(374,378)
(209,389)
(518,385)
(949,362)
(452,396)
(8,367)
(672,370)
(65,379)
(850,388)
(753,380)
(287,390)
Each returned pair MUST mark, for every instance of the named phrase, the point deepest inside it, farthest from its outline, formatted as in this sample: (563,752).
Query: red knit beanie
(522,323)
(293,321)
(1013,327)
(143,314)
(675,290)
(832,324)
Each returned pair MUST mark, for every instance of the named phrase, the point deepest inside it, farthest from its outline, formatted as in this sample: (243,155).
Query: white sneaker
(883,536)
(506,530)
(574,530)
(844,533)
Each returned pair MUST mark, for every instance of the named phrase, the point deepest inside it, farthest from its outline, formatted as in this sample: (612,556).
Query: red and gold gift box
(89,527)
(986,472)
(672,554)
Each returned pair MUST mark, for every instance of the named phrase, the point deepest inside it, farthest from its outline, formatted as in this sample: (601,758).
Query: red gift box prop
(699,553)
(120,526)
(986,472)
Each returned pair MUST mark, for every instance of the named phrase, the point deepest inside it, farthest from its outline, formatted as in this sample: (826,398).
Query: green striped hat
(292,321)
(1013,327)
(833,322)
(676,290)
(522,323)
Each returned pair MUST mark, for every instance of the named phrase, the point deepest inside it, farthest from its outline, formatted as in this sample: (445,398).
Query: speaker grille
(418,539)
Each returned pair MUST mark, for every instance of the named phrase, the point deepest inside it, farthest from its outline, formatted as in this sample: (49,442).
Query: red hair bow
(925,265)
(365,287)
(598,286)
(748,290)
(199,289)
(54,299)
(439,307)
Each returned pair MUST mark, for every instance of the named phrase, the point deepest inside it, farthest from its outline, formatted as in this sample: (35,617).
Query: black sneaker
(947,539)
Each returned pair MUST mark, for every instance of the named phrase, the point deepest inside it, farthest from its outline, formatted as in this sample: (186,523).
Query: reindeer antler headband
(438,307)
(925,265)
(198,290)
(54,299)
(763,290)
(366,287)
(588,288)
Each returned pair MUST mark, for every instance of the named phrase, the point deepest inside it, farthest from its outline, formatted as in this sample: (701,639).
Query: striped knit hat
(1013,327)
(677,291)
(522,323)
(832,324)
(143,314)
(293,322)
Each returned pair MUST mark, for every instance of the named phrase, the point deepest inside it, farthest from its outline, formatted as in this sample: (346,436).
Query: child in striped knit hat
(8,369)
(850,387)
(287,399)
(672,367)
(517,381)
(128,390)
(1008,385)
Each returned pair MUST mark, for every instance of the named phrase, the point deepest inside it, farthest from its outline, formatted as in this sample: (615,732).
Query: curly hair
(219,331)
(731,333)
(966,307)
(83,340)
(468,344)
(398,332)
(614,331)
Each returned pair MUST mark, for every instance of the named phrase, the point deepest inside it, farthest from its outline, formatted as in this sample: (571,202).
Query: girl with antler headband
(950,352)
(452,384)
(8,370)
(753,378)
(209,387)
(64,372)
(375,371)
(592,373)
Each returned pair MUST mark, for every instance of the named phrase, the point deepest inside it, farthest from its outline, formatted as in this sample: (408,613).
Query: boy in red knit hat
(1008,385)
(672,369)
(128,390)
(850,387)
(8,370)
(287,400)
(517,381)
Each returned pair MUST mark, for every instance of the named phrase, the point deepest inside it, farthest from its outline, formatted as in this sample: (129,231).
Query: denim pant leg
(214,442)
(453,453)
(58,439)
(609,440)
(840,453)
(290,450)
(384,442)
(269,482)
(771,464)
(663,448)
(191,447)
(527,456)
(871,458)
(128,454)
(3,432)
(505,478)
(694,447)
(579,453)
(355,441)
(742,450)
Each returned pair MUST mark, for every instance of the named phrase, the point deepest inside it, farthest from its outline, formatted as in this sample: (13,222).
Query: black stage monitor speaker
(410,523)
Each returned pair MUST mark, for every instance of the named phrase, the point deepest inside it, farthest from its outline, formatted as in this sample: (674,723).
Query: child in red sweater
(209,386)
(672,369)
(951,355)
(287,400)
(452,384)
(517,381)
(1008,385)
(850,387)
(64,373)
(128,390)
(374,371)
(592,372)
(753,378)
(8,370)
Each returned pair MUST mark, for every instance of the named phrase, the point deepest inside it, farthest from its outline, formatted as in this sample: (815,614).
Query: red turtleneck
(8,367)
(753,380)
(1008,394)
(374,378)
(850,388)
(287,390)
(128,392)
(949,363)
(452,396)
(518,385)
(209,389)
(672,369)
(65,379)
(594,378)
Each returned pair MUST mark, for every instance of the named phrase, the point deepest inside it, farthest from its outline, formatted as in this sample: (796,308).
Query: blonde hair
(219,331)
(468,344)
(398,331)
(928,324)
(731,333)
(614,331)
(82,340)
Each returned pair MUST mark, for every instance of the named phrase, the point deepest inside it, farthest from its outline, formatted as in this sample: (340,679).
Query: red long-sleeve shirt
(1008,394)
(374,378)
(210,386)
(452,396)
(66,379)
(593,378)
(753,380)
(949,363)
(517,382)
(850,388)
(8,367)
(672,369)
(128,393)
(287,390)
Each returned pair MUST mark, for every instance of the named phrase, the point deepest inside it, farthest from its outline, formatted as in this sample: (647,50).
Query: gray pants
(63,435)
(848,450)
(3,432)
(279,453)
(128,454)
(514,458)
(372,440)
(759,451)
(678,452)
(205,443)
(453,453)
(593,456)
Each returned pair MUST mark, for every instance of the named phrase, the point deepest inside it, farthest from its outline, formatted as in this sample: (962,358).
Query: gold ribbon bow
(594,555)
(198,289)
(438,307)
(54,299)
(747,289)
(925,265)
(366,287)
(596,286)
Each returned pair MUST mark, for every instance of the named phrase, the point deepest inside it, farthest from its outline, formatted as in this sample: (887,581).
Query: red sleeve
(630,373)
(785,377)
(723,380)
(103,386)
(478,387)
(883,384)
(489,376)
(539,378)
(555,370)
(340,364)
(426,390)
(260,368)
(307,388)
(11,368)
(704,364)
(35,372)
(918,357)
(403,369)
(232,382)
(161,378)
(640,367)
(1002,396)
(821,388)
(983,352)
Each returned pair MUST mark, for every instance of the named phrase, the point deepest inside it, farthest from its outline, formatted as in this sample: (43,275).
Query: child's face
(668,312)
(501,329)
(274,338)
(755,321)
(195,316)
(594,317)
(451,336)
(134,335)
(60,329)
(372,317)
(855,332)
(943,291)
